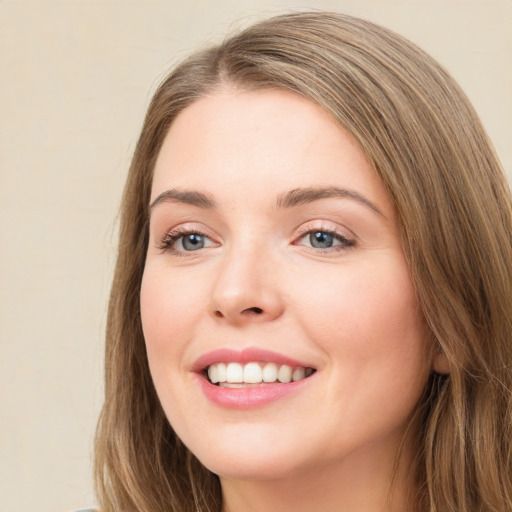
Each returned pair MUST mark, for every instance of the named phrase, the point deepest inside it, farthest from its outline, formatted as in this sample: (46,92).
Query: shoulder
(86,510)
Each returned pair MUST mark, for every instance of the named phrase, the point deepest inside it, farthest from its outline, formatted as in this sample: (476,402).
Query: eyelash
(173,236)
(346,243)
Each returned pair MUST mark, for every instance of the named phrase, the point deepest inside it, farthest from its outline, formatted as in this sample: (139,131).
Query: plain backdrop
(75,80)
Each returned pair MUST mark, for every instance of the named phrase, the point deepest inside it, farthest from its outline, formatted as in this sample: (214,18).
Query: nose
(246,289)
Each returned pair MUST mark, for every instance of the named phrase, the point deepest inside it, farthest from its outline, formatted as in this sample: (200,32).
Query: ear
(440,362)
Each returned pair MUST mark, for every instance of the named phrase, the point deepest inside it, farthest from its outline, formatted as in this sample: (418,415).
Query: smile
(251,377)
(236,374)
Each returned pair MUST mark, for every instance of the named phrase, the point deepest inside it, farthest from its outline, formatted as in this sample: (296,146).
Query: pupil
(193,242)
(321,240)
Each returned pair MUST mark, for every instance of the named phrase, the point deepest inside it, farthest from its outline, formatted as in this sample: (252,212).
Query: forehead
(259,142)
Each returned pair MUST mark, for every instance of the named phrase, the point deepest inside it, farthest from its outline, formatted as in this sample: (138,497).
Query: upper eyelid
(167,246)
(189,227)
(185,228)
(166,243)
(327,226)
(342,238)
(180,232)
(332,232)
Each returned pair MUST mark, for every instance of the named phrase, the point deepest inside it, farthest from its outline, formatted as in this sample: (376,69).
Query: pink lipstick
(244,356)
(249,378)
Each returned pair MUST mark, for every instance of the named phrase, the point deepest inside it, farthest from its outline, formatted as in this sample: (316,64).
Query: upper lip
(246,355)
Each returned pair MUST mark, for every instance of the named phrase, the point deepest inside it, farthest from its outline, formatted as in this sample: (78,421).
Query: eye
(192,241)
(179,241)
(324,240)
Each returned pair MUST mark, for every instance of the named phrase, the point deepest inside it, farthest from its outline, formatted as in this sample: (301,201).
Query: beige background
(75,78)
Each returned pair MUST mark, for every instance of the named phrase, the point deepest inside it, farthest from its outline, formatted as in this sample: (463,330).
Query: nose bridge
(246,289)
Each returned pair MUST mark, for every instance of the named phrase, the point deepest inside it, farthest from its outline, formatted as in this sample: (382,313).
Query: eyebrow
(191,197)
(295,197)
(300,196)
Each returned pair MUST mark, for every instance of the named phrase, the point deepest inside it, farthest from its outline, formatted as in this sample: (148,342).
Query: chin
(249,457)
(251,469)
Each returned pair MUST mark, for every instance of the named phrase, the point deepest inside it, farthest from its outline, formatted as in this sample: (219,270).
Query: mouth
(251,377)
(254,373)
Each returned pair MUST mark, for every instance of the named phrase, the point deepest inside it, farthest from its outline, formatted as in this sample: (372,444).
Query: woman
(311,304)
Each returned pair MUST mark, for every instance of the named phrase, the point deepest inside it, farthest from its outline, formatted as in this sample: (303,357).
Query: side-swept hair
(454,211)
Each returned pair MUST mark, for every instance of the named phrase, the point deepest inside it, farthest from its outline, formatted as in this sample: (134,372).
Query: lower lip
(250,397)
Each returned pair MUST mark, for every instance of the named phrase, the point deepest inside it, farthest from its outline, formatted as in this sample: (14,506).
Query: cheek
(154,301)
(373,335)
(169,309)
(367,321)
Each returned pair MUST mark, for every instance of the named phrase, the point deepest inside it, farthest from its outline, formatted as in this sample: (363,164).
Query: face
(274,255)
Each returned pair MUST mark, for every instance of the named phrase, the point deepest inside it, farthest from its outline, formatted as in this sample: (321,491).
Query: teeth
(298,374)
(270,372)
(217,373)
(221,372)
(213,374)
(285,373)
(252,373)
(236,374)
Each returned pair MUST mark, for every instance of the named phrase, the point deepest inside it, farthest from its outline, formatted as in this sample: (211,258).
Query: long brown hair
(454,211)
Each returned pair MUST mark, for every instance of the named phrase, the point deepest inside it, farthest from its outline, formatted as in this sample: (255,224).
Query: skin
(349,311)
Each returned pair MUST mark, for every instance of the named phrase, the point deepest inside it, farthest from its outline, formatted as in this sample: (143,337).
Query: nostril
(254,310)
(257,311)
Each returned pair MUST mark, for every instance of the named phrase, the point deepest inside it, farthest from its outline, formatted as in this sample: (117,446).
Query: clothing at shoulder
(86,510)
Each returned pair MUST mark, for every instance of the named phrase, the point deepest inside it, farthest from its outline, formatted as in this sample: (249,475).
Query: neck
(370,483)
